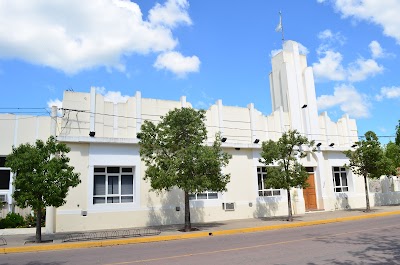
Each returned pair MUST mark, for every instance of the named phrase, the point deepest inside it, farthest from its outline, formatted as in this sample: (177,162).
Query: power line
(23,108)
(216,126)
(23,118)
(23,112)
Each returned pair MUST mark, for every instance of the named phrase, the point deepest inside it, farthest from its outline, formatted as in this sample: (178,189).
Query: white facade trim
(220,116)
(119,156)
(138,97)
(92,109)
(115,124)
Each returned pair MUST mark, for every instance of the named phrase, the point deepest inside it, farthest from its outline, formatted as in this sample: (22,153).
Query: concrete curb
(114,242)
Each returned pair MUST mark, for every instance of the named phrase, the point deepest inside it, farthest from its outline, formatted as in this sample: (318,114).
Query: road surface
(368,241)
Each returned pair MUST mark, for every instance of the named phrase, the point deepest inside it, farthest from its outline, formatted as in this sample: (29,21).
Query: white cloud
(177,63)
(329,39)
(383,13)
(111,96)
(275,52)
(347,99)
(202,105)
(378,52)
(115,97)
(361,69)
(376,49)
(74,35)
(388,92)
(55,102)
(171,13)
(303,49)
(100,90)
(328,36)
(330,67)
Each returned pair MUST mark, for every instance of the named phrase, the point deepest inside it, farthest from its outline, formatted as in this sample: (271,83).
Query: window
(4,175)
(310,169)
(113,185)
(207,195)
(2,161)
(262,190)
(4,179)
(340,182)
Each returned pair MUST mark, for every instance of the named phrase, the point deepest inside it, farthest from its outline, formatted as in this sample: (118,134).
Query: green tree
(176,155)
(392,151)
(42,176)
(281,159)
(368,160)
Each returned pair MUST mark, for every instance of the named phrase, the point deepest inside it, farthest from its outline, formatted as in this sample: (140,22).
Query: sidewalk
(24,242)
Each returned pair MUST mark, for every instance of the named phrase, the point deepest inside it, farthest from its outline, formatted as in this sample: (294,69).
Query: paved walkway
(24,242)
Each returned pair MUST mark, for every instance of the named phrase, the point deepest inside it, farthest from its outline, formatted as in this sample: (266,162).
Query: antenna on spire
(279,28)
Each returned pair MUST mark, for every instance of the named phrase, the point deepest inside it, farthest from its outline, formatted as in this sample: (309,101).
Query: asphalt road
(369,241)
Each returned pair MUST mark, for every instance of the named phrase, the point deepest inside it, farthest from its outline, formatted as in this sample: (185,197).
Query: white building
(105,151)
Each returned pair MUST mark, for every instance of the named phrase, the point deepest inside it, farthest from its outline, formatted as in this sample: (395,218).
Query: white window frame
(264,192)
(205,195)
(339,187)
(118,195)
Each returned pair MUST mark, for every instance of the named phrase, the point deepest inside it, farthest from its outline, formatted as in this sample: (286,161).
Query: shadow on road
(372,250)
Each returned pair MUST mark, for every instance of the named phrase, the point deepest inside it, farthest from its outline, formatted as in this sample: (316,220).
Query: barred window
(262,189)
(340,182)
(207,195)
(113,185)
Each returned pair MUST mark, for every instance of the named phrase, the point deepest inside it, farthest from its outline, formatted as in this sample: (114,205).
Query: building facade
(104,146)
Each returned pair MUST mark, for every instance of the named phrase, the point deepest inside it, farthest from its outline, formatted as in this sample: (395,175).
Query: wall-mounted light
(304,106)
(223,139)
(237,148)
(92,134)
(138,135)
(354,145)
(319,144)
(256,141)
(332,144)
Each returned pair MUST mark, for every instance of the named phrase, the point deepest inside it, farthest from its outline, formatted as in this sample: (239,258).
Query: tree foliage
(368,160)
(281,158)
(42,176)
(392,151)
(175,154)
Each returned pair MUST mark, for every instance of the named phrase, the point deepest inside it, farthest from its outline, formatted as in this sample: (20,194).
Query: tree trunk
(290,215)
(188,225)
(38,225)
(366,194)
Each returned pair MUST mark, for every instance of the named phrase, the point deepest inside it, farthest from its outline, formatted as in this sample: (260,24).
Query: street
(369,241)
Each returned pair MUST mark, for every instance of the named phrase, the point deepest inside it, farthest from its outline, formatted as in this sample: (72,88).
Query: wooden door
(310,196)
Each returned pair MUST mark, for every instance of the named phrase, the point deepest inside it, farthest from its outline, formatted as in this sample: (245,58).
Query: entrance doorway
(310,196)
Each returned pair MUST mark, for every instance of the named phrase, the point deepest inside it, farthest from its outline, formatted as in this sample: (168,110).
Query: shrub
(30,219)
(12,220)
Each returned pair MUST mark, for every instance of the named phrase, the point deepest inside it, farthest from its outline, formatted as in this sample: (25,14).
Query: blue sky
(205,50)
